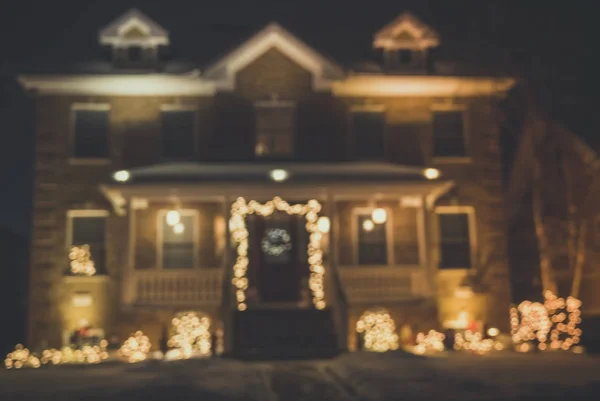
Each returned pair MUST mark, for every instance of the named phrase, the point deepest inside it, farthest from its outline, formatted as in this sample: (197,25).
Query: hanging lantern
(323,224)
(178,228)
(173,217)
(368,225)
(379,216)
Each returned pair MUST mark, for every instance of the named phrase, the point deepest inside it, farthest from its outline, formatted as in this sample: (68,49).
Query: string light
(237,225)
(430,342)
(21,357)
(135,348)
(81,261)
(379,330)
(554,324)
(474,342)
(191,334)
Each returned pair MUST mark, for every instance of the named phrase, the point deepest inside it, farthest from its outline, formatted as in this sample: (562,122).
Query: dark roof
(259,172)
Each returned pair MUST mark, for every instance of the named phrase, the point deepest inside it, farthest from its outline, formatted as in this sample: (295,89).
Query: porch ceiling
(221,181)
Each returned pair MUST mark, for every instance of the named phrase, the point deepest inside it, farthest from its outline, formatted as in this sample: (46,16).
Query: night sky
(550,43)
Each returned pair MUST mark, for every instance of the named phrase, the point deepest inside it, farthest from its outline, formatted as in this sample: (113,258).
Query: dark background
(550,46)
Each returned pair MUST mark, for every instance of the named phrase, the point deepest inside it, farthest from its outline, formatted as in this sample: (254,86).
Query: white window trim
(75,213)
(367,108)
(276,103)
(470,212)
(160,235)
(180,107)
(82,160)
(464,108)
(389,232)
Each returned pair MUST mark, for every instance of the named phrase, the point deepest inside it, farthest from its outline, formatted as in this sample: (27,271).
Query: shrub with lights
(433,341)
(475,343)
(552,325)
(20,358)
(378,330)
(190,334)
(135,348)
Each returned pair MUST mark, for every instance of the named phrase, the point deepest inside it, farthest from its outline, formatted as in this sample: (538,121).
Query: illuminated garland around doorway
(239,233)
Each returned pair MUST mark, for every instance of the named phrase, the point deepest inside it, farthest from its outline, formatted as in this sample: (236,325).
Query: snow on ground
(351,377)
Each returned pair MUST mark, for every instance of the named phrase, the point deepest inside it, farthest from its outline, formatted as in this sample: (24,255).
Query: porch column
(129,289)
(227,296)
(426,245)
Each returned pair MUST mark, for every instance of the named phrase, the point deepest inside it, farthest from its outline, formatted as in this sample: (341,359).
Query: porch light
(122,176)
(178,228)
(368,225)
(279,175)
(379,216)
(493,332)
(323,224)
(431,173)
(173,217)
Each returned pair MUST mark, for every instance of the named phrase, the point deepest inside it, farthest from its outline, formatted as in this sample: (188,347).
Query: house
(272,191)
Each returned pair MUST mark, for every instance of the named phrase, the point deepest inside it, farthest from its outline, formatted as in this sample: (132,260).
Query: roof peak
(406,31)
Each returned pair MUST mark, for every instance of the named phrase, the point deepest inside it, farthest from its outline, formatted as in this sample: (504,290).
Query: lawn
(359,377)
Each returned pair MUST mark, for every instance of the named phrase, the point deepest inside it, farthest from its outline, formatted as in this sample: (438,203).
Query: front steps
(289,333)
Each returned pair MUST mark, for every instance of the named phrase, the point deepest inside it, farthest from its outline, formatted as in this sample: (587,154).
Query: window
(368,128)
(372,242)
(88,227)
(178,128)
(135,53)
(178,250)
(274,129)
(448,133)
(90,131)
(455,239)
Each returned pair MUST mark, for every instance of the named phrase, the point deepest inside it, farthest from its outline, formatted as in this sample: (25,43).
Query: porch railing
(383,284)
(177,288)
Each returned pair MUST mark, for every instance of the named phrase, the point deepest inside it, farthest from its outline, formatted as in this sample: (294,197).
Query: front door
(278,257)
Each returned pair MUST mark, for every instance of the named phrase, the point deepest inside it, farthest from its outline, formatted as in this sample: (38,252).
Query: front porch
(346,263)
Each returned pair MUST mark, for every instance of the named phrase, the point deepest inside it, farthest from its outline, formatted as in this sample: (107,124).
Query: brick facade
(226,129)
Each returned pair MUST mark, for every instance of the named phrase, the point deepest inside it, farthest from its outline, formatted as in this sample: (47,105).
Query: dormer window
(405,43)
(135,40)
(405,56)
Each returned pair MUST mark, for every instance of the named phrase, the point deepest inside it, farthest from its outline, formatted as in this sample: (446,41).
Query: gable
(273,36)
(274,74)
(133,28)
(407,32)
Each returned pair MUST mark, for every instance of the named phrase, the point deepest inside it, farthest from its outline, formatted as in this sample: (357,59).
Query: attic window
(405,56)
(135,53)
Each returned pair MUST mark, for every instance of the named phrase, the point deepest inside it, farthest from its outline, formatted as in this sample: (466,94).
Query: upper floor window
(373,240)
(88,227)
(449,133)
(274,129)
(90,131)
(456,236)
(368,129)
(178,244)
(178,130)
